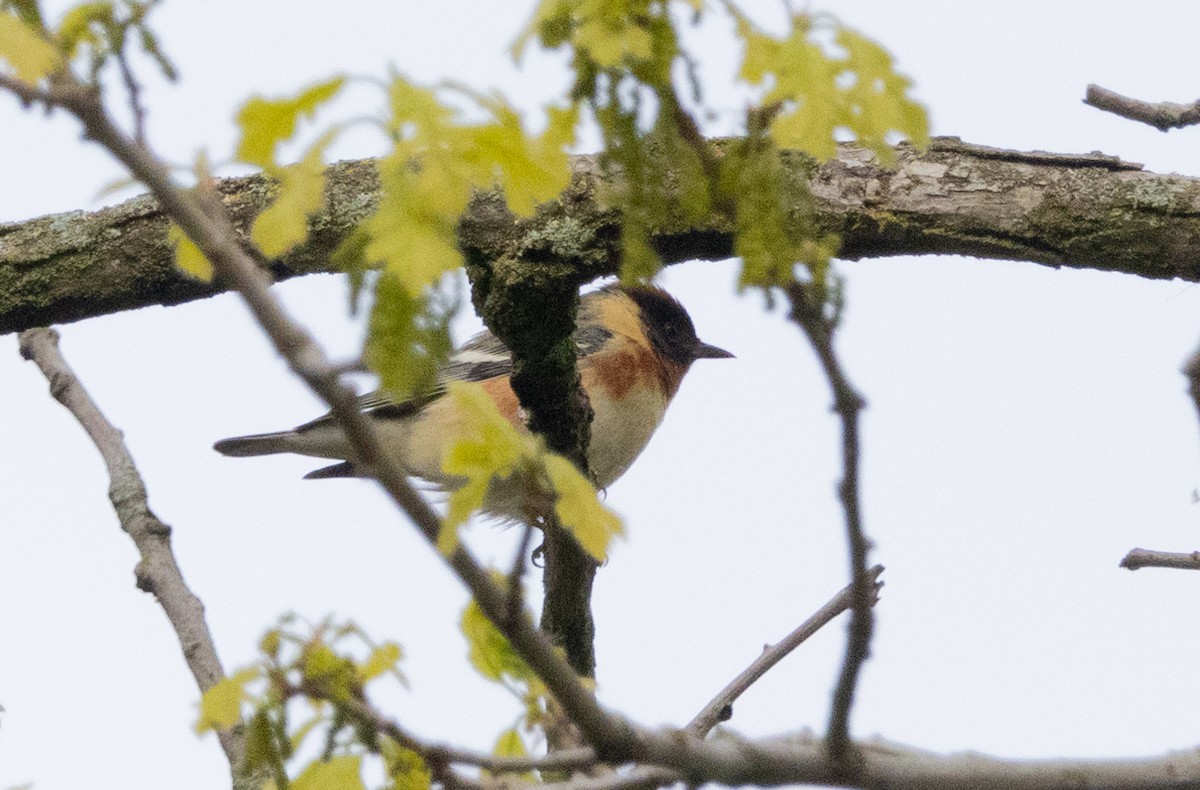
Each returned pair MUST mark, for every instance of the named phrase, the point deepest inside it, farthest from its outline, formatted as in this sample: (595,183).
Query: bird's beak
(705,351)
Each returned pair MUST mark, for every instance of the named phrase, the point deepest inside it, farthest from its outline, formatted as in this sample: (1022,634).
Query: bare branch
(157,571)
(720,708)
(1145,558)
(887,765)
(809,312)
(1163,115)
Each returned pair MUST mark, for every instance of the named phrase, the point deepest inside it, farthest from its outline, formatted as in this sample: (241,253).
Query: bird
(634,345)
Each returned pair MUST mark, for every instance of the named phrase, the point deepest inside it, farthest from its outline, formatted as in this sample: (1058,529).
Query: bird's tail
(258,444)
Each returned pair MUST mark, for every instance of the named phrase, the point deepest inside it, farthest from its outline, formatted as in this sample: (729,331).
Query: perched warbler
(634,344)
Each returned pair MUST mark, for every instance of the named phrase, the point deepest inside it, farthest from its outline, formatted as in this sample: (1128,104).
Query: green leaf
(267,122)
(409,337)
(270,643)
(405,768)
(412,233)
(384,658)
(76,25)
(579,509)
(510,744)
(284,224)
(489,444)
(262,748)
(468,498)
(188,256)
(531,170)
(30,56)
(336,773)
(489,650)
(819,92)
(221,705)
(613,31)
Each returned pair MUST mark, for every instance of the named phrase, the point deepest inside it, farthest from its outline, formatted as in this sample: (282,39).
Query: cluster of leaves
(98,33)
(320,667)
(819,81)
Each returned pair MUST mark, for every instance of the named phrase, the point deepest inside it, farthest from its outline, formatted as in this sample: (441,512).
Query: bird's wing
(481,358)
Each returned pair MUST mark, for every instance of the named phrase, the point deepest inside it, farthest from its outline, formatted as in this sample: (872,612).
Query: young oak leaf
(284,223)
(342,772)
(610,31)
(29,55)
(79,25)
(384,658)
(412,232)
(489,447)
(579,509)
(405,767)
(821,92)
(530,169)
(221,705)
(188,256)
(877,99)
(490,652)
(267,122)
(510,744)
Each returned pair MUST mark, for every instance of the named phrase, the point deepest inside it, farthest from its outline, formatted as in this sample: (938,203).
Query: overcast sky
(1026,428)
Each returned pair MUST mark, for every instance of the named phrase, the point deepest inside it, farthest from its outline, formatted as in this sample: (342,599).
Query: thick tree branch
(1084,211)
(1163,115)
(157,571)
(887,765)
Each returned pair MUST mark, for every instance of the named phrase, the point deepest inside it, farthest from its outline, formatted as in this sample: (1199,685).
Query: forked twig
(157,571)
(720,708)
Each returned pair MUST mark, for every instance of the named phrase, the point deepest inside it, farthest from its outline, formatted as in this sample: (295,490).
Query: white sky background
(1026,428)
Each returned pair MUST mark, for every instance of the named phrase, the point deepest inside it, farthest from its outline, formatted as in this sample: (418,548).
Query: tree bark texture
(1087,211)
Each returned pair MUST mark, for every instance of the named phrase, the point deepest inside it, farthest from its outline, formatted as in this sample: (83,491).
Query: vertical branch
(533,312)
(157,571)
(808,311)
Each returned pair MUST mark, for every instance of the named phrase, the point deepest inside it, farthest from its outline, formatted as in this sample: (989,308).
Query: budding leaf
(267,122)
(188,256)
(336,773)
(489,650)
(221,705)
(30,56)
(384,658)
(579,509)
(284,223)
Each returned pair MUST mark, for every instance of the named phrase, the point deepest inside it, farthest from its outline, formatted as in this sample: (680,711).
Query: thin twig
(516,575)
(720,708)
(134,90)
(1191,369)
(157,572)
(1147,558)
(808,311)
(1163,116)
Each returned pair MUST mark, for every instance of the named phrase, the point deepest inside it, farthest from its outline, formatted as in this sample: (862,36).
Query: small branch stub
(1163,116)
(1145,558)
